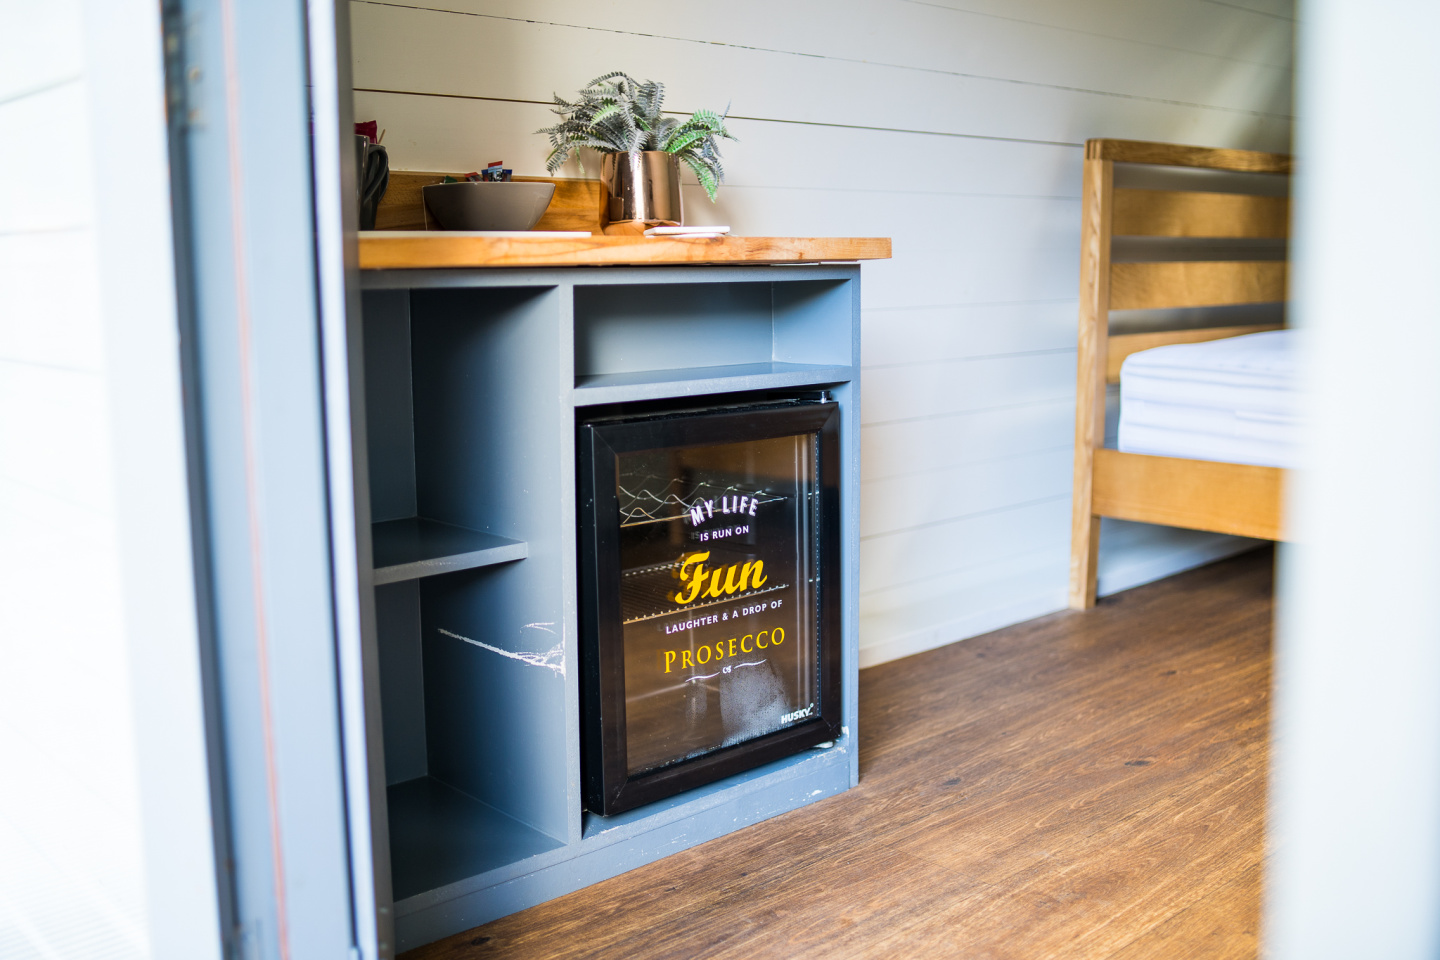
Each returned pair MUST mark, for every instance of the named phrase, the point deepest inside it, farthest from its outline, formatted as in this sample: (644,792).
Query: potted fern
(641,148)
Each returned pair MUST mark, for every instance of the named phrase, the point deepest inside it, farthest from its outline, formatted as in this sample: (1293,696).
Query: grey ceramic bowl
(503,205)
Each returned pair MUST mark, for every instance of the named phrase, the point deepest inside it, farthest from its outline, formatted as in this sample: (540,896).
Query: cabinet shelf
(414,547)
(700,381)
(439,836)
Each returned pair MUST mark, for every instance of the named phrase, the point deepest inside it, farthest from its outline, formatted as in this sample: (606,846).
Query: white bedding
(1232,400)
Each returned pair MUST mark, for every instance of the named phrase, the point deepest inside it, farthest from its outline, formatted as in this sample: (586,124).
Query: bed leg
(1097,214)
(1084,553)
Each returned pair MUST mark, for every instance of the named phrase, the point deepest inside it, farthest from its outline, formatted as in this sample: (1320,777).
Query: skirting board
(1138,564)
(893,647)
(882,639)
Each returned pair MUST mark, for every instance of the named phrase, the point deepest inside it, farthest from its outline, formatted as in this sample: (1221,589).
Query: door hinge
(184,77)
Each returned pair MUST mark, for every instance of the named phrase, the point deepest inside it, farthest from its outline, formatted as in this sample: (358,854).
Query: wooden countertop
(402,250)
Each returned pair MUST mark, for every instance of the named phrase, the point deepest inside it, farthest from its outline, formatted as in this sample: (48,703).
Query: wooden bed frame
(1197,494)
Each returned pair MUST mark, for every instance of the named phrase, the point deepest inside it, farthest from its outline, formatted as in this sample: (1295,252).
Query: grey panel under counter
(415,547)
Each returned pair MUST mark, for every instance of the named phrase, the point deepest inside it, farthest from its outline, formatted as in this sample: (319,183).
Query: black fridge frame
(609,788)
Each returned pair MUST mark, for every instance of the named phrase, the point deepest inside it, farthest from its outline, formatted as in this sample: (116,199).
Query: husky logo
(798,714)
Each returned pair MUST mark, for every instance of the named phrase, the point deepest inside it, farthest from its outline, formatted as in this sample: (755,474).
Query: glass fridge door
(710,604)
(718,580)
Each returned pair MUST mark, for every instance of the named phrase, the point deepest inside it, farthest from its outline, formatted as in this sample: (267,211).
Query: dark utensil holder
(372,164)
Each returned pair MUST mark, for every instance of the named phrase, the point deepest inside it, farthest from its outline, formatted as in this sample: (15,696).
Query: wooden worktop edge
(379,252)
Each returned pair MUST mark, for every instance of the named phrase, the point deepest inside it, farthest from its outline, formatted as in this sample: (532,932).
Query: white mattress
(1232,400)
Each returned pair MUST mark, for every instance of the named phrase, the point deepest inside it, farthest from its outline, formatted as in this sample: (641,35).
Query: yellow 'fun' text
(698,580)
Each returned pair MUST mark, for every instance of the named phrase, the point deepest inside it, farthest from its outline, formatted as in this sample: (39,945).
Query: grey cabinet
(473,381)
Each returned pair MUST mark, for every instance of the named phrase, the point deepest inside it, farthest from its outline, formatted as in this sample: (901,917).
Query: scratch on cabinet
(552,659)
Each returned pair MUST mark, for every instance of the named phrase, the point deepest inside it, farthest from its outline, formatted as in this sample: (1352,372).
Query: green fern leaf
(706,178)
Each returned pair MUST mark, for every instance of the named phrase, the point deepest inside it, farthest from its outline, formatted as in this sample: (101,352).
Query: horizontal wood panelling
(1024,254)
(45,176)
(1174,154)
(1173,213)
(956,331)
(93,626)
(1134,553)
(1233,498)
(967,331)
(893,559)
(424,133)
(39,47)
(927,444)
(1141,286)
(914,501)
(967,604)
(434,53)
(912,37)
(54,433)
(1122,345)
(1281,10)
(952,386)
(1185,25)
(451,133)
(50,544)
(1034,573)
(1130,554)
(1026,250)
(919,615)
(49,292)
(1176,24)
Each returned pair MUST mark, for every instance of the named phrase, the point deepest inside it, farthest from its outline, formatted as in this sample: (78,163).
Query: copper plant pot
(643,188)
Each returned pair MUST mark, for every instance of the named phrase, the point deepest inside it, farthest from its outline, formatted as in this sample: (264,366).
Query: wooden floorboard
(1089,784)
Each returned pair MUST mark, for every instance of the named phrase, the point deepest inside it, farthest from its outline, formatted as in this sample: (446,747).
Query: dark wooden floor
(1084,785)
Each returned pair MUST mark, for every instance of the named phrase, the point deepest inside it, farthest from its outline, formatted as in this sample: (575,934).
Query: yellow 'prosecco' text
(734,647)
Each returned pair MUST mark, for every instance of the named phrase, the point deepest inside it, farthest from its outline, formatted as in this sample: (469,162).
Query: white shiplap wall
(71,883)
(953,126)
(106,848)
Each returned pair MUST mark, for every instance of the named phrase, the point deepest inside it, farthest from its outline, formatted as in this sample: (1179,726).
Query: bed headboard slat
(1180,155)
(1180,213)
(1196,283)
